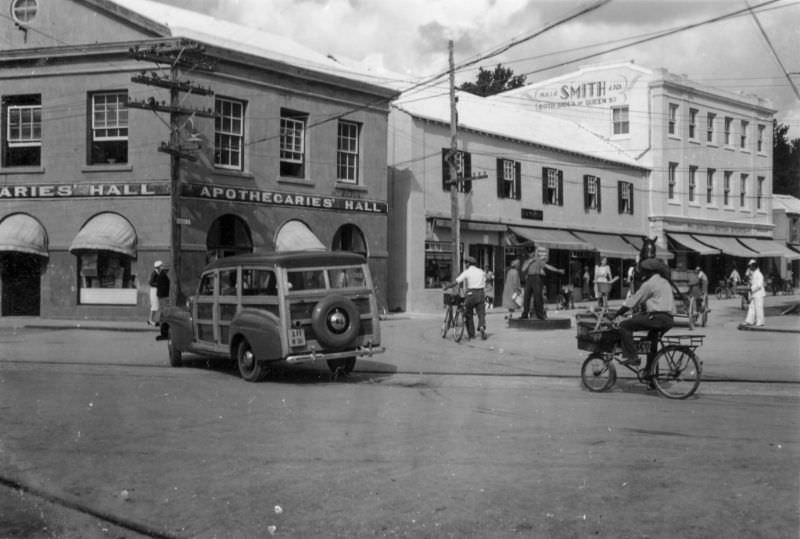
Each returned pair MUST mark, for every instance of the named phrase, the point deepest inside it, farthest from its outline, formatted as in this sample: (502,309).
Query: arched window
(295,235)
(349,238)
(228,235)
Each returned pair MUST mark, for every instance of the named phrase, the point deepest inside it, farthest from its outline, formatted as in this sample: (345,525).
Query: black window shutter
(630,200)
(518,180)
(544,186)
(620,188)
(445,170)
(598,191)
(467,159)
(501,192)
(560,187)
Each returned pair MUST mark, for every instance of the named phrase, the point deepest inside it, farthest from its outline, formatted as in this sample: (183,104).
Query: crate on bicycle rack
(452,298)
(602,339)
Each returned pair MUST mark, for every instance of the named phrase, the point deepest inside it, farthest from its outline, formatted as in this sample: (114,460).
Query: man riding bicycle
(655,297)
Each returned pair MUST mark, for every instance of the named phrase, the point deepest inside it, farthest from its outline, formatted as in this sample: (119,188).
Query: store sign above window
(536,215)
(280,198)
(582,93)
(67,190)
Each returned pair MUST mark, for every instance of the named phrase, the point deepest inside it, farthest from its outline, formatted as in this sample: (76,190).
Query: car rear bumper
(361,351)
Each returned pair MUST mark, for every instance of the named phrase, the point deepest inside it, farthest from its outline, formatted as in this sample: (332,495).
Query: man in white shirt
(474,280)
(755,311)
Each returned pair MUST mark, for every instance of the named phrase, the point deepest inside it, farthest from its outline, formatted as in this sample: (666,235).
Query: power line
(774,52)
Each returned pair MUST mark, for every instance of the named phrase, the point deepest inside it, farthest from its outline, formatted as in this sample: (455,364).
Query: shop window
(228,133)
(105,278)
(552,186)
(347,152)
(509,179)
(293,143)
(619,118)
(109,134)
(22,143)
(591,193)
(463,164)
(625,192)
(438,263)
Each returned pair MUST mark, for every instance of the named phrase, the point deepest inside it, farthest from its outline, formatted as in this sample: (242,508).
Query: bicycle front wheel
(598,373)
(458,325)
(676,372)
(447,321)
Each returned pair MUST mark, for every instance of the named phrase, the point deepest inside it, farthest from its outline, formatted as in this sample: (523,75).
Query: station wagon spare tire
(335,321)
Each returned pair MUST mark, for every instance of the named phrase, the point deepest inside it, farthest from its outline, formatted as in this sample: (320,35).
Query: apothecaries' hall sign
(282,198)
(66,190)
(581,93)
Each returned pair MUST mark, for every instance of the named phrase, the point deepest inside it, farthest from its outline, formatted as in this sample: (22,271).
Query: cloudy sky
(410,37)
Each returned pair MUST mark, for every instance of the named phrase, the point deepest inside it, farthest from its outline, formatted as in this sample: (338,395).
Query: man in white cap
(153,282)
(755,311)
(474,280)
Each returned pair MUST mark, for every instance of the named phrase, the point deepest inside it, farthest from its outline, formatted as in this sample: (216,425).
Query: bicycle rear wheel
(676,372)
(458,325)
(598,373)
(447,322)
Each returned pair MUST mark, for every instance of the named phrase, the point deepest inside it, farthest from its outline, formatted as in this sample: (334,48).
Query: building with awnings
(786,215)
(135,131)
(709,151)
(529,179)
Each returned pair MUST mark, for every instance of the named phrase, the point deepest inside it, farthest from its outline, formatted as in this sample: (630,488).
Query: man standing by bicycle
(657,305)
(474,280)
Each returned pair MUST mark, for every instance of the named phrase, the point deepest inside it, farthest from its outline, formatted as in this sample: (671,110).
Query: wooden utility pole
(455,225)
(178,54)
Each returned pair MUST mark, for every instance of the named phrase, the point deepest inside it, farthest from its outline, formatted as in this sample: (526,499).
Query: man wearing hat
(474,280)
(159,291)
(755,311)
(534,270)
(655,295)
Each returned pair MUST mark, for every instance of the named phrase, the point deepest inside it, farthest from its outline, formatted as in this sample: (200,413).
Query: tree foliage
(493,82)
(785,162)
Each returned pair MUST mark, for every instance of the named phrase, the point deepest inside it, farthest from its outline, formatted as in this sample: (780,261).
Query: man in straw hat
(755,310)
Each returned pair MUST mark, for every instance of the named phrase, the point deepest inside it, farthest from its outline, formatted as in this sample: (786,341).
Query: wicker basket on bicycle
(594,338)
(452,298)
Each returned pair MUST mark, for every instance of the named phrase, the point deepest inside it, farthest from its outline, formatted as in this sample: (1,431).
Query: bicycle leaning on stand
(454,315)
(674,368)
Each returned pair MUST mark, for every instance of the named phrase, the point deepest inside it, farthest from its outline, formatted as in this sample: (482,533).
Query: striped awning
(610,245)
(770,248)
(23,234)
(552,238)
(106,232)
(727,244)
(692,244)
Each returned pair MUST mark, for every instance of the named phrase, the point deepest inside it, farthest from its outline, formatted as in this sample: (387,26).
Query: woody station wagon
(287,307)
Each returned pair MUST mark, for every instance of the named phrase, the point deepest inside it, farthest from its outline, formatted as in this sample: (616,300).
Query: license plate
(297,337)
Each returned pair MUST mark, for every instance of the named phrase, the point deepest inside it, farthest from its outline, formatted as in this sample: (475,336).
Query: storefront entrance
(21,284)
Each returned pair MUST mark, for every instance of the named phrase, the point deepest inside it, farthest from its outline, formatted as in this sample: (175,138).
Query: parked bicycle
(454,321)
(674,368)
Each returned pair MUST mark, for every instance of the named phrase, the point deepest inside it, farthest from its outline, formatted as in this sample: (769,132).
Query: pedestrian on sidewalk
(755,310)
(153,293)
(474,280)
(512,289)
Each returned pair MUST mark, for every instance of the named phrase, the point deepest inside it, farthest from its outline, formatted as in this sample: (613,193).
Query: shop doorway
(21,275)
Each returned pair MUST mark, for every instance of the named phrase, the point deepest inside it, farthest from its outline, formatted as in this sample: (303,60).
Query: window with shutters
(552,186)
(625,193)
(463,165)
(509,181)
(591,193)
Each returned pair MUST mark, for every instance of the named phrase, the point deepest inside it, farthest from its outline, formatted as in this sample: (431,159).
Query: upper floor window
(692,123)
(671,180)
(692,182)
(591,193)
(625,195)
(228,133)
(759,191)
(552,186)
(619,117)
(710,185)
(347,151)
(293,143)
(463,166)
(509,179)
(710,118)
(109,135)
(760,142)
(673,118)
(726,188)
(728,126)
(743,136)
(743,191)
(22,146)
